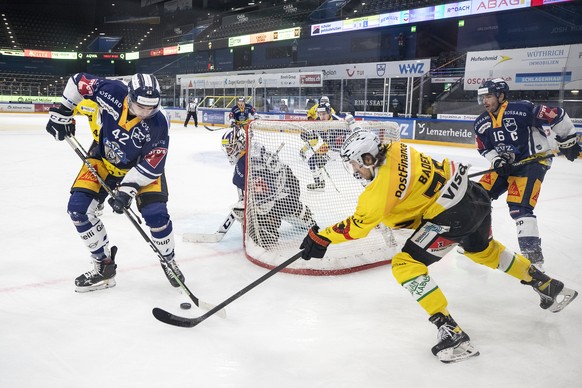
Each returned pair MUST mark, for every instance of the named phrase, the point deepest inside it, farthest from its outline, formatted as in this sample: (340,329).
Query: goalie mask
(359,154)
(143,97)
(496,87)
(233,144)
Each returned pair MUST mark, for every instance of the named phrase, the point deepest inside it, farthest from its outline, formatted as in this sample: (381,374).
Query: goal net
(295,178)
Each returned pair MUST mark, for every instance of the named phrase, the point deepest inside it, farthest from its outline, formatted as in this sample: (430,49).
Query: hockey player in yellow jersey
(312,112)
(411,190)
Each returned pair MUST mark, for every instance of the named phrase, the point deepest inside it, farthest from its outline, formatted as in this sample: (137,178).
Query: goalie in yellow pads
(411,190)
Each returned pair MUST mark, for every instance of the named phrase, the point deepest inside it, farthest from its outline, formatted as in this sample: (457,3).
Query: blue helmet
(233,143)
(144,95)
(494,86)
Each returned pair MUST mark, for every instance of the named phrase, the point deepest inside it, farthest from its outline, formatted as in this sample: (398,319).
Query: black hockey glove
(569,147)
(306,136)
(122,197)
(61,123)
(314,245)
(502,167)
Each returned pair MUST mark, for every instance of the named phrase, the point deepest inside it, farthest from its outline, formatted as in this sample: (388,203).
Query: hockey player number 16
(500,136)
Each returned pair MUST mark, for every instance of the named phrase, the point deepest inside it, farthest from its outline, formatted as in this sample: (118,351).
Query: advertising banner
(525,69)
(275,80)
(445,131)
(411,68)
(28,108)
(212,116)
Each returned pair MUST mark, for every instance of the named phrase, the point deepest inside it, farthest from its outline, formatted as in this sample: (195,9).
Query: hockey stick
(80,151)
(516,164)
(211,237)
(171,319)
(213,129)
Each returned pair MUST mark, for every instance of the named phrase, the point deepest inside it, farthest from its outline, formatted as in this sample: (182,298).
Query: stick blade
(171,319)
(202,237)
(212,129)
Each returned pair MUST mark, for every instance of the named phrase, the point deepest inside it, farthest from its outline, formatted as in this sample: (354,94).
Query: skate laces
(97,264)
(448,331)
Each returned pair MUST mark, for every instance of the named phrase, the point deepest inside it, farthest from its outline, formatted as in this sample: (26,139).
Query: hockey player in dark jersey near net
(273,190)
(242,113)
(509,132)
(411,190)
(130,156)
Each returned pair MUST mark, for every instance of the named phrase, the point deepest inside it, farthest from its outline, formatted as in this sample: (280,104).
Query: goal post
(279,207)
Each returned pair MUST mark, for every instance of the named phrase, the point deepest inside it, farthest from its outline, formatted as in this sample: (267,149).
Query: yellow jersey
(90,109)
(312,112)
(405,187)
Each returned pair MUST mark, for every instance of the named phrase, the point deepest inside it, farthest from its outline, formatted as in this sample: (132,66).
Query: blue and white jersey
(242,116)
(128,146)
(238,178)
(519,130)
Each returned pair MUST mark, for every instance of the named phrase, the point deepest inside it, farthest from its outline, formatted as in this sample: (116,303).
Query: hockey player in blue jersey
(242,113)
(130,156)
(510,132)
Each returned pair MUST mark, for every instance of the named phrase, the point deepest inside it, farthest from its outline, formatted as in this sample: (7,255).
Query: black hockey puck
(185,306)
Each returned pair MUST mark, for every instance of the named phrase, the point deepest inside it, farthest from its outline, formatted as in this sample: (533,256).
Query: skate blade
(566,296)
(461,352)
(98,286)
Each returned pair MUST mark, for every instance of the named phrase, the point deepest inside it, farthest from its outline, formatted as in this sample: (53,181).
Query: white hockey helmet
(355,147)
(233,143)
(324,100)
(358,144)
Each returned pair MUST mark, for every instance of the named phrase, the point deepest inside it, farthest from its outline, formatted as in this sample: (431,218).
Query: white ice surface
(358,330)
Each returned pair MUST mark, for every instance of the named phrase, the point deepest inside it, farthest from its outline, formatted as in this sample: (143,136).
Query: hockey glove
(502,167)
(61,123)
(569,147)
(122,197)
(314,245)
(350,121)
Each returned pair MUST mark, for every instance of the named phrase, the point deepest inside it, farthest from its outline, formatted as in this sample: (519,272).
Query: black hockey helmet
(494,86)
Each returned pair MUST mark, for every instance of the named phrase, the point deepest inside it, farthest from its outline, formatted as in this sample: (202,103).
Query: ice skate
(100,277)
(172,268)
(318,185)
(454,344)
(554,296)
